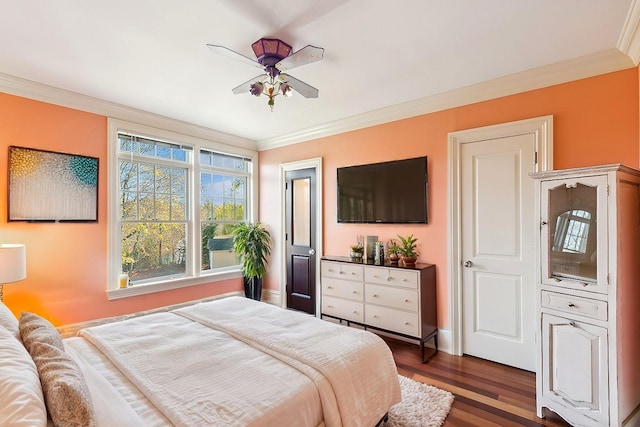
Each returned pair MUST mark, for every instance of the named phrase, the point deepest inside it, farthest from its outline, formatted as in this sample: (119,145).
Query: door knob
(312,251)
(468,263)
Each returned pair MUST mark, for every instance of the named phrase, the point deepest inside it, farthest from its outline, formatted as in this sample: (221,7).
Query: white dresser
(589,295)
(389,298)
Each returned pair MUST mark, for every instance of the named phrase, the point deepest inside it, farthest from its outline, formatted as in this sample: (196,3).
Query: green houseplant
(252,243)
(408,250)
(393,250)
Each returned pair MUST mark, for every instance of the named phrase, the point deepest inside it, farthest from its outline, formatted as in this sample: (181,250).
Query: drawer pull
(406,323)
(355,311)
(389,278)
(572,323)
(571,305)
(375,295)
(406,300)
(355,292)
(341,272)
(329,287)
(584,284)
(329,306)
(375,316)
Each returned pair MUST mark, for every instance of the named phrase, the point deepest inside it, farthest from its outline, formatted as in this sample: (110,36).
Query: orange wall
(595,122)
(67,262)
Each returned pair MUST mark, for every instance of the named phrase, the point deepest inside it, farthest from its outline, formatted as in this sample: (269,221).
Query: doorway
(492,231)
(302,226)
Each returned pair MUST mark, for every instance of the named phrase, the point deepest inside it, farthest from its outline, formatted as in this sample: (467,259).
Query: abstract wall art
(50,186)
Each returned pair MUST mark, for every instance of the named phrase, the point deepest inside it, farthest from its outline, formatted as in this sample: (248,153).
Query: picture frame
(49,186)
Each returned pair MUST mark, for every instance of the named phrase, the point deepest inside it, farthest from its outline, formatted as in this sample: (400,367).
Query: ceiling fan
(274,56)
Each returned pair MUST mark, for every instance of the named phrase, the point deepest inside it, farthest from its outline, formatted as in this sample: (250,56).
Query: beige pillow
(8,320)
(65,391)
(21,401)
(34,328)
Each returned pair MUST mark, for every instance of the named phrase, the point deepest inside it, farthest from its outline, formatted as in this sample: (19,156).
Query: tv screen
(388,193)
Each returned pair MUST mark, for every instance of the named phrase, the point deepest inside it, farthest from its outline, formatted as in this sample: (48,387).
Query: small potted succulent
(393,250)
(408,250)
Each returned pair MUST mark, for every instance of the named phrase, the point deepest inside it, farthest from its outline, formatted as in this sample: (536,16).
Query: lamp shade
(13,262)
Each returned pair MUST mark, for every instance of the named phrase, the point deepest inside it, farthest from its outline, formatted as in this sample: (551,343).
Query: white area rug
(422,405)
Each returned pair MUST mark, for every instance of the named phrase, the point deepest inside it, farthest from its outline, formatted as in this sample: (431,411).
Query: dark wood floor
(486,393)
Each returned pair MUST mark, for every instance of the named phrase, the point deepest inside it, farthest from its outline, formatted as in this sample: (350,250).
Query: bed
(227,362)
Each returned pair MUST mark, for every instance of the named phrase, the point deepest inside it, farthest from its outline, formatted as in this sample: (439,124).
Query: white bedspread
(238,362)
(358,365)
(198,376)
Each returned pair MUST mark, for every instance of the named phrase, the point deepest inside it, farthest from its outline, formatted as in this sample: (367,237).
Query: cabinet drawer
(404,299)
(392,277)
(576,305)
(342,288)
(342,308)
(341,270)
(399,321)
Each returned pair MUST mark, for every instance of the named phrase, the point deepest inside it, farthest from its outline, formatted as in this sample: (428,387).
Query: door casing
(314,163)
(542,128)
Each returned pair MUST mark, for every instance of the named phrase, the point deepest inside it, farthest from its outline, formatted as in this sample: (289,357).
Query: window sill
(150,288)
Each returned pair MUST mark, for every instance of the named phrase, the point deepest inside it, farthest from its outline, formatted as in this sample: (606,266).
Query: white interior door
(498,249)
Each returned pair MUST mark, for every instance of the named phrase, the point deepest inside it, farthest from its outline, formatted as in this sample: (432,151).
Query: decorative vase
(409,261)
(393,258)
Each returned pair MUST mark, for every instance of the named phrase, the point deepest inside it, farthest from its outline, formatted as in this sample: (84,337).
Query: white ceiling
(151,55)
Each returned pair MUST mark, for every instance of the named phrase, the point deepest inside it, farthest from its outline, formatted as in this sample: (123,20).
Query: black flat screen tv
(392,192)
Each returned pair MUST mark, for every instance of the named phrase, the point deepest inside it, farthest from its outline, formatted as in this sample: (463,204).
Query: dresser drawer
(399,321)
(576,305)
(341,270)
(342,289)
(342,308)
(404,299)
(392,277)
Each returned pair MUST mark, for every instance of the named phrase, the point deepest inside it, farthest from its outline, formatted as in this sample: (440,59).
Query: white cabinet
(588,369)
(390,298)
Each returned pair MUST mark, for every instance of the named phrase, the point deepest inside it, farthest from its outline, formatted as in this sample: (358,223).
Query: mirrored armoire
(588,305)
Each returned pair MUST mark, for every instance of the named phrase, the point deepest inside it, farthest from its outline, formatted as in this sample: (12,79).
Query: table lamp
(13,263)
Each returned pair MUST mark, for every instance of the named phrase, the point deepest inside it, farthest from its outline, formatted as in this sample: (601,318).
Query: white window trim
(194,275)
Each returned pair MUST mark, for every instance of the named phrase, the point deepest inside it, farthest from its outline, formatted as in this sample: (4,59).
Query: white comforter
(281,368)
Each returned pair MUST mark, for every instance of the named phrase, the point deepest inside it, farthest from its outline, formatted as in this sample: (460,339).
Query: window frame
(194,273)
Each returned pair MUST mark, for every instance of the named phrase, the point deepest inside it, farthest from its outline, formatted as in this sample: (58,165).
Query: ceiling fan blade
(299,86)
(246,86)
(306,55)
(225,51)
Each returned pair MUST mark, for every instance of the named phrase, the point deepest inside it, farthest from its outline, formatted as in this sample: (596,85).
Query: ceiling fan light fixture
(270,51)
(256,89)
(275,57)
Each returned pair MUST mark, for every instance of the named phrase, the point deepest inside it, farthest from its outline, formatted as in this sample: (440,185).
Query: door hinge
(286,185)
(286,237)
(535,157)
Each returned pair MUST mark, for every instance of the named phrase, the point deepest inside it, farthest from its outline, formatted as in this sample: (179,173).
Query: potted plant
(252,244)
(393,250)
(408,250)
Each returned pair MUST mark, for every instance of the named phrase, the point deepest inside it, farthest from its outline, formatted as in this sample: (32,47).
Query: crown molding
(629,40)
(40,92)
(603,62)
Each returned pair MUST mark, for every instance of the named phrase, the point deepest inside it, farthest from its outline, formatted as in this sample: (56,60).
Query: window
(174,202)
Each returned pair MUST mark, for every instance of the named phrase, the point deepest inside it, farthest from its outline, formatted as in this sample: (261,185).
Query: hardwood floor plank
(486,393)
